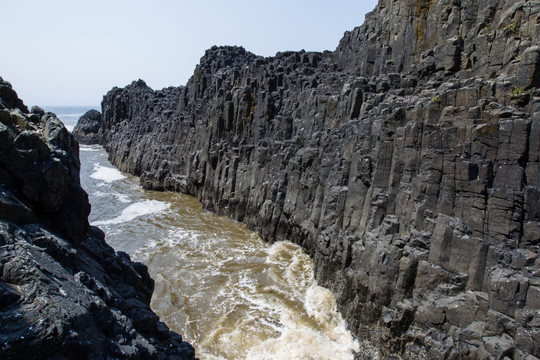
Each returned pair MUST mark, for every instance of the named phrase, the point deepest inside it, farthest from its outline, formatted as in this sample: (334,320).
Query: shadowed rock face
(89,128)
(406,162)
(64,293)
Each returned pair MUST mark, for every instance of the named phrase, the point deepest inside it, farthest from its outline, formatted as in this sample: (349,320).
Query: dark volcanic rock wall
(64,293)
(406,163)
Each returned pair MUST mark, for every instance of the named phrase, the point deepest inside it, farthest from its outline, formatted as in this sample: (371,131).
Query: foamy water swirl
(229,293)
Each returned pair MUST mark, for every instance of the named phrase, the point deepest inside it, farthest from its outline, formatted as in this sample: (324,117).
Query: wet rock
(13,210)
(8,295)
(64,293)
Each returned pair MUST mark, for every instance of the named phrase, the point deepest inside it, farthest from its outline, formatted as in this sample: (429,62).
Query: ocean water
(69,114)
(230,294)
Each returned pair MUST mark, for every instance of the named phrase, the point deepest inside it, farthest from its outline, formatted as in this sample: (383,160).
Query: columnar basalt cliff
(406,162)
(64,293)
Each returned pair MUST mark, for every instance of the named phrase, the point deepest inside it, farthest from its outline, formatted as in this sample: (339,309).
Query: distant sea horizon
(70,114)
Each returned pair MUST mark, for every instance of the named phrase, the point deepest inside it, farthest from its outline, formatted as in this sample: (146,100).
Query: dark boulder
(88,130)
(9,98)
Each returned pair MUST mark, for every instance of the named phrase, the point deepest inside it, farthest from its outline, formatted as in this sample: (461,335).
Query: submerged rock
(406,162)
(64,293)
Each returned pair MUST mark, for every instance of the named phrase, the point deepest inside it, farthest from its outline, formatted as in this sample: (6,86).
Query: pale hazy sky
(70,52)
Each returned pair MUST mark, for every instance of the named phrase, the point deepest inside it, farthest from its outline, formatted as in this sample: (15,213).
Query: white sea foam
(179,237)
(135,210)
(329,340)
(249,300)
(324,335)
(321,306)
(90,148)
(106,173)
(300,343)
(124,198)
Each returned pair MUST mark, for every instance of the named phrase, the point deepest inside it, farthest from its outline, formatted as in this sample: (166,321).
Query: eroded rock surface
(64,293)
(406,162)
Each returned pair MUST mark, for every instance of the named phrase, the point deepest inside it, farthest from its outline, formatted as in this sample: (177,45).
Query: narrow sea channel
(230,294)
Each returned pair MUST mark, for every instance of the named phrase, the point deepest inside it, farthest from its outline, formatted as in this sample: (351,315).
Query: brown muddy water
(229,293)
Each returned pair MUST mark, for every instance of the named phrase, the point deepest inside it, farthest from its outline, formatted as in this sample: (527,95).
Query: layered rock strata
(64,293)
(406,162)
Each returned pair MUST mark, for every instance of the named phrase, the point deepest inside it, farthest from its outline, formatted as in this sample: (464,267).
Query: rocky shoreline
(64,293)
(406,163)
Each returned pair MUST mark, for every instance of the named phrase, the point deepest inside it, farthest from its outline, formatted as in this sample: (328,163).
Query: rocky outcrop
(89,128)
(406,162)
(64,293)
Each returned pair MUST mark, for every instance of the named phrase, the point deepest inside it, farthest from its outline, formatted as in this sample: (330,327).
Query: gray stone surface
(405,162)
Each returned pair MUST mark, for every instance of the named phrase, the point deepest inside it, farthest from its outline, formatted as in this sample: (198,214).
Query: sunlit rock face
(406,163)
(64,293)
